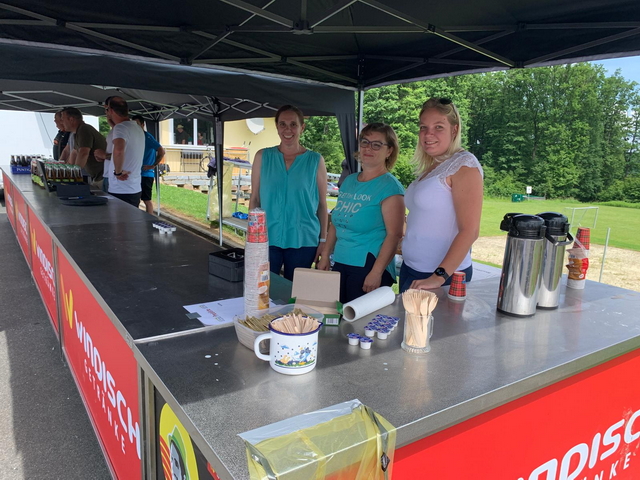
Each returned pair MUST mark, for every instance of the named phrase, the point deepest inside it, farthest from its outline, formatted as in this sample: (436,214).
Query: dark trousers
(291,258)
(131,198)
(408,275)
(352,278)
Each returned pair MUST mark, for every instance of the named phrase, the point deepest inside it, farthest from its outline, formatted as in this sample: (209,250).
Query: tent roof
(19,95)
(157,89)
(354,43)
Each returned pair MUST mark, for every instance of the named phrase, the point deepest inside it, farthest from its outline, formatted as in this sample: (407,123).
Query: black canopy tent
(355,43)
(159,90)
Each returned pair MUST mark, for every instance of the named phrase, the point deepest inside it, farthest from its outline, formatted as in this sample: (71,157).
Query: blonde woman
(444,202)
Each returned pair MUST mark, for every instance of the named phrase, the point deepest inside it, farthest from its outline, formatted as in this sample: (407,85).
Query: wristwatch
(117,174)
(441,272)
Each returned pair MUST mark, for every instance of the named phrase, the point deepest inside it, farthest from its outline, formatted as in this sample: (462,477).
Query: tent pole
(360,118)
(157,174)
(360,109)
(218,139)
(154,125)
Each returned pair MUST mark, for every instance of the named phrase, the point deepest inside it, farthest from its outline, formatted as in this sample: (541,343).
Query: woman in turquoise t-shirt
(289,183)
(366,224)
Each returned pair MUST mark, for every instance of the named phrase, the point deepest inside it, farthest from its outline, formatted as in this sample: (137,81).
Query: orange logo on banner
(68,303)
(33,241)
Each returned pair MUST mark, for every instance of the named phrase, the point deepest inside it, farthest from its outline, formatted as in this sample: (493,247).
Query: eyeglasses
(445,101)
(364,143)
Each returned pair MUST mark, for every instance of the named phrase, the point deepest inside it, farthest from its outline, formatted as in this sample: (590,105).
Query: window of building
(191,131)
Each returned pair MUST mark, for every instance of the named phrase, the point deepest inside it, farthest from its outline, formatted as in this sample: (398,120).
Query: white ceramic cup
(289,353)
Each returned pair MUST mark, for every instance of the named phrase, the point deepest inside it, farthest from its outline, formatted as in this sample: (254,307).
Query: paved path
(45,432)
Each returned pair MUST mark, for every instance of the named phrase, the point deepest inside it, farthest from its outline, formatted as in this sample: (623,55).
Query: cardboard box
(319,290)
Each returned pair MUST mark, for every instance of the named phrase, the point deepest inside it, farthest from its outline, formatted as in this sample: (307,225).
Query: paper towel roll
(366,304)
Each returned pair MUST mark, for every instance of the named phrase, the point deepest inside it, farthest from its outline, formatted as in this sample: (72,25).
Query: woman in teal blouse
(366,224)
(289,183)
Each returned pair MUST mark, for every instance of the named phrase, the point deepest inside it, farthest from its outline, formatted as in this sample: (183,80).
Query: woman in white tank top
(444,202)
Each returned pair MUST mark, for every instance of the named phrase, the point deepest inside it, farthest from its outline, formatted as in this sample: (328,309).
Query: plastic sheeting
(348,441)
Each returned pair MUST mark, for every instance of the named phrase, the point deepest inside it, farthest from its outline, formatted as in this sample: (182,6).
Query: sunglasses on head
(445,101)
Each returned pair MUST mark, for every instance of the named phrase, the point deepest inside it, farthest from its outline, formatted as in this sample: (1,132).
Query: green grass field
(624,221)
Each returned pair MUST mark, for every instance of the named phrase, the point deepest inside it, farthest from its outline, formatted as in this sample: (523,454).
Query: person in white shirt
(106,158)
(127,153)
(444,202)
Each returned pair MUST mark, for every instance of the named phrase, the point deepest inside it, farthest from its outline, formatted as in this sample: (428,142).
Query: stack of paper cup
(579,259)
(256,264)
(458,288)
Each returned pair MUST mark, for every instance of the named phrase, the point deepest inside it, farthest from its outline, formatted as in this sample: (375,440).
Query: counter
(488,377)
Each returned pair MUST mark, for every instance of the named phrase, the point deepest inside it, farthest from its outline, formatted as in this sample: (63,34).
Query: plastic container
(246,336)
(369,331)
(228,264)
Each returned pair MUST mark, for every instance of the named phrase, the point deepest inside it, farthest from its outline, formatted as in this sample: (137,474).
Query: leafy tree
(568,131)
(103,126)
(322,135)
(403,170)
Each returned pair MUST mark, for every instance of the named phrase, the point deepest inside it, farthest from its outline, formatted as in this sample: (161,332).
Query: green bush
(403,170)
(631,189)
(613,192)
(619,204)
(501,184)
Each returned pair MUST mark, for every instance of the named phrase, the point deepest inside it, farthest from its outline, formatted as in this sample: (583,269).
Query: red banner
(42,265)
(8,199)
(584,428)
(22,223)
(105,371)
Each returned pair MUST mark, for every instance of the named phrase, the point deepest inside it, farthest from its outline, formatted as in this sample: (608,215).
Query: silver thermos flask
(557,237)
(523,255)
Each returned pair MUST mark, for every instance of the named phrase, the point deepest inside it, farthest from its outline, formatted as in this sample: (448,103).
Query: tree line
(567,131)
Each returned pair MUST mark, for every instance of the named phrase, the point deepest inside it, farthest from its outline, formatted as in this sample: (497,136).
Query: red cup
(458,288)
(257,221)
(583,236)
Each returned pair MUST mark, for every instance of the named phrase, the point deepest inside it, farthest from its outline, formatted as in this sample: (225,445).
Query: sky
(629,67)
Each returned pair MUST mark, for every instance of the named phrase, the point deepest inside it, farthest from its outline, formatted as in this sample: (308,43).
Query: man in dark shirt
(182,137)
(86,141)
(61,138)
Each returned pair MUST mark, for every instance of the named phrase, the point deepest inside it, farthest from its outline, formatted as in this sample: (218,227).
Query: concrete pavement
(45,432)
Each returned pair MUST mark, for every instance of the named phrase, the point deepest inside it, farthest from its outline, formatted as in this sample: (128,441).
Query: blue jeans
(408,275)
(292,258)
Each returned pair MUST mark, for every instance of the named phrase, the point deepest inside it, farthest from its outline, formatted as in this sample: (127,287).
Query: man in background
(153,155)
(182,137)
(61,139)
(87,140)
(127,153)
(107,154)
